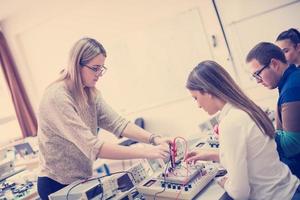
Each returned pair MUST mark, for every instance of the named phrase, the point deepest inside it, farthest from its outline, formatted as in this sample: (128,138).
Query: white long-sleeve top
(251,159)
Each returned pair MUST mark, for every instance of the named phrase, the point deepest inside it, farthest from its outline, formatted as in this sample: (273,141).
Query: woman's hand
(162,140)
(202,154)
(194,156)
(222,181)
(116,151)
(155,152)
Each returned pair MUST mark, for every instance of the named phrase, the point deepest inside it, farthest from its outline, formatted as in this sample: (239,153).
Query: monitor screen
(24,149)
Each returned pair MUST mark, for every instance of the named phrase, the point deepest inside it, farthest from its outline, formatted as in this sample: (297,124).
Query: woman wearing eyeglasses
(289,42)
(70,113)
(246,135)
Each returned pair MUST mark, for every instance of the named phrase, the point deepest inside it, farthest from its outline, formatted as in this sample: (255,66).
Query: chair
(103,168)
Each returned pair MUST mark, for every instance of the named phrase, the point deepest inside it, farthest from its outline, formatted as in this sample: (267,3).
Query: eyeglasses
(98,69)
(256,74)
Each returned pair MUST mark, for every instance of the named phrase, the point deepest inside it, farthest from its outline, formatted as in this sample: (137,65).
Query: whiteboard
(150,67)
(245,31)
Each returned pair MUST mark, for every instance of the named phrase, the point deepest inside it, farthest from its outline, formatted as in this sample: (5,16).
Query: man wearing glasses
(269,67)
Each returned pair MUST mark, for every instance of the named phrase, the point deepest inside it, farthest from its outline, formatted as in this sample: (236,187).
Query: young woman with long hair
(246,135)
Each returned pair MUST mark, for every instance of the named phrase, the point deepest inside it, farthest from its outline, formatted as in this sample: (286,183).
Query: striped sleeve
(289,128)
(290,115)
(289,142)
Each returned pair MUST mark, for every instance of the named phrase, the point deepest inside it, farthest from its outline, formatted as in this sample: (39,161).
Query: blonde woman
(246,135)
(70,113)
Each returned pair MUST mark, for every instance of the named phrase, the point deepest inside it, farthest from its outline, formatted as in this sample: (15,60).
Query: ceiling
(117,11)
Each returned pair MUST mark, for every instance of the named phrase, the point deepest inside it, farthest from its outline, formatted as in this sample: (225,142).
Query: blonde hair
(82,52)
(210,77)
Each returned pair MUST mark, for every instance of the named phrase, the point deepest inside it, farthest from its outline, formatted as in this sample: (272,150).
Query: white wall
(41,41)
(247,23)
(42,34)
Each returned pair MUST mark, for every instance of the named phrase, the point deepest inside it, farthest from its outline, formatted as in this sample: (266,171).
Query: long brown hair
(209,77)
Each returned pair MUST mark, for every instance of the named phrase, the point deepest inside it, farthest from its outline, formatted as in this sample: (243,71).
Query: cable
(187,170)
(172,156)
(186,149)
(67,197)
(164,182)
(100,183)
(179,193)
(96,178)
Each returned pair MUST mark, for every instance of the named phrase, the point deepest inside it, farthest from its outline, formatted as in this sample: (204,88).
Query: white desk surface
(213,191)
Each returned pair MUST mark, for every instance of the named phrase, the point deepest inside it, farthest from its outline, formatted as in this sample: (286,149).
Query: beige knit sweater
(67,136)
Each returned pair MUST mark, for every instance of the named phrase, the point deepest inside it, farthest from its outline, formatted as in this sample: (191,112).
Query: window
(9,125)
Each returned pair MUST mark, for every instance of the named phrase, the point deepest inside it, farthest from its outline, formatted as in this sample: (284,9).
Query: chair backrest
(103,169)
(140,122)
